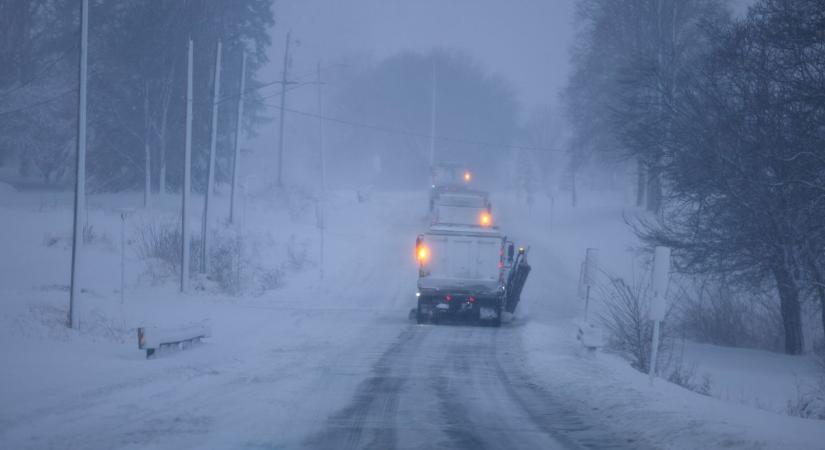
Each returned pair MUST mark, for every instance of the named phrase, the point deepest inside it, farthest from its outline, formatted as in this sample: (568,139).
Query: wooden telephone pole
(284,83)
(80,171)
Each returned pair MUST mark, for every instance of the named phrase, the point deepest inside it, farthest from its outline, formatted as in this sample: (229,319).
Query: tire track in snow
(556,414)
(369,421)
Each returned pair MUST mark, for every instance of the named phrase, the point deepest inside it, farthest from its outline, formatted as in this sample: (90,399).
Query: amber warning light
(422,253)
(467,176)
(485,220)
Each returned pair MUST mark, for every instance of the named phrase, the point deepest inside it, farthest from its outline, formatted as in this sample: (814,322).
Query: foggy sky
(526,41)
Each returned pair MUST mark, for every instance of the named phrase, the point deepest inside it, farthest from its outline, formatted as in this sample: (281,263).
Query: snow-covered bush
(90,236)
(713,311)
(296,253)
(625,319)
(224,263)
(809,402)
(685,375)
(235,262)
(159,242)
(269,279)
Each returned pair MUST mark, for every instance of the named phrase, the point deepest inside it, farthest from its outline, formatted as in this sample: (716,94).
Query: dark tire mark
(369,420)
(463,388)
(556,415)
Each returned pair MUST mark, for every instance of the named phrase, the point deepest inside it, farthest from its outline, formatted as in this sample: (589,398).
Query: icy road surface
(446,386)
(455,387)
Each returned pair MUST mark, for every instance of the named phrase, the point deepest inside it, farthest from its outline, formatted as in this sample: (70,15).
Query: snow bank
(745,383)
(93,387)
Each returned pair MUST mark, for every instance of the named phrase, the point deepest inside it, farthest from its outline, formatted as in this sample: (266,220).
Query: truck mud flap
(515,283)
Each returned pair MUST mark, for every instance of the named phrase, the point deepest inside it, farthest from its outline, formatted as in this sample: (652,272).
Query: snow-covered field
(282,362)
(94,389)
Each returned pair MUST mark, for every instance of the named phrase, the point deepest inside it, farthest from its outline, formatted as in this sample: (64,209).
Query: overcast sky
(525,41)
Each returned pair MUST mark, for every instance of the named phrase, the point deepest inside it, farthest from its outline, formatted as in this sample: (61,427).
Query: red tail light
(471,299)
(448,298)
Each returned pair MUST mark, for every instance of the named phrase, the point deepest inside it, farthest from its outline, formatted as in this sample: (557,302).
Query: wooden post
(80,170)
(237,150)
(210,175)
(187,178)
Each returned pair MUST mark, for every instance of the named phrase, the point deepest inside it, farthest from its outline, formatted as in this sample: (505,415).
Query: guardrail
(154,338)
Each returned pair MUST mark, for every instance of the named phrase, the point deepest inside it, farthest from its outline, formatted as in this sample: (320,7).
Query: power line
(273,83)
(38,104)
(279,93)
(45,70)
(63,94)
(415,133)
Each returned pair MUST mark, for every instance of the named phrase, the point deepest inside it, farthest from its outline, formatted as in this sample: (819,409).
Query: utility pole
(284,83)
(236,155)
(80,170)
(321,218)
(147,154)
(432,127)
(187,178)
(210,177)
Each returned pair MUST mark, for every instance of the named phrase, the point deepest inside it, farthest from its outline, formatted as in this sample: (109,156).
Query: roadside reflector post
(589,334)
(591,267)
(661,272)
(124,214)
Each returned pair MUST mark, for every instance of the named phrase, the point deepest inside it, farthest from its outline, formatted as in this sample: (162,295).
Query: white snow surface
(282,362)
(749,387)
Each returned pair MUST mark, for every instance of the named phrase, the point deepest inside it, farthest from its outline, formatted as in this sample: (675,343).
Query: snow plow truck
(467,268)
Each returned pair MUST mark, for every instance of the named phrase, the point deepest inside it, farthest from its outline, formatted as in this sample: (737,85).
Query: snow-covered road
(456,387)
(338,364)
(393,384)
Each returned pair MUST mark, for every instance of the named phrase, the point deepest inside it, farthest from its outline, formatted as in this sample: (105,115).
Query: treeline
(475,115)
(137,86)
(725,121)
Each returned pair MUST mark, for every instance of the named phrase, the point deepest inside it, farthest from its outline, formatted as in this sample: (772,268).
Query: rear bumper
(460,305)
(435,287)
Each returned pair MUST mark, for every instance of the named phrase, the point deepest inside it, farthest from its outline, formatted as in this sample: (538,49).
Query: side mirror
(510,252)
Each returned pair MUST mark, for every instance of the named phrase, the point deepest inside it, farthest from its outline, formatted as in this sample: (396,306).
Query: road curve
(457,387)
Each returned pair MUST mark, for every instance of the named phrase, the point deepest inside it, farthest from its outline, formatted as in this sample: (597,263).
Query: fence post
(591,264)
